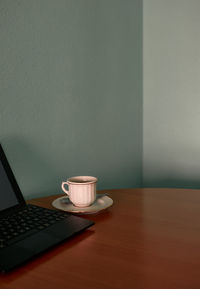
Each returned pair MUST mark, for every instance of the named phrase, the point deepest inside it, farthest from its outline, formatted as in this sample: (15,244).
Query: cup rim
(87,179)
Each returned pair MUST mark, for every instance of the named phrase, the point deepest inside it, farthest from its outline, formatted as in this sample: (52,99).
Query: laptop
(28,230)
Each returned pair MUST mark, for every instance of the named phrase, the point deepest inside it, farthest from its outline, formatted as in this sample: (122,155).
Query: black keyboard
(26,222)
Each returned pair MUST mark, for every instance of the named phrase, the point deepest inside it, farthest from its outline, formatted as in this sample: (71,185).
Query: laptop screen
(7,195)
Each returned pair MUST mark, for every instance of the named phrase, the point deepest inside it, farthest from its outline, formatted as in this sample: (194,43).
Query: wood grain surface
(149,238)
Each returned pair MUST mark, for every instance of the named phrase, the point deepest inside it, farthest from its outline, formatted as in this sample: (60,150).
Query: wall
(71,91)
(171,76)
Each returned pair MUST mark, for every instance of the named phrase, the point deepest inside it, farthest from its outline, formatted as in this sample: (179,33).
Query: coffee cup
(81,190)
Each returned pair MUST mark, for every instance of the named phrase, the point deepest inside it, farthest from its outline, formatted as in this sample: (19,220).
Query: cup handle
(63,188)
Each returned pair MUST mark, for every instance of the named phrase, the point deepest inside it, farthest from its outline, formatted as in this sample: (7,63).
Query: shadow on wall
(35,175)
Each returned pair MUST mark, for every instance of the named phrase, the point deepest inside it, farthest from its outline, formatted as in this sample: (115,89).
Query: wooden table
(149,238)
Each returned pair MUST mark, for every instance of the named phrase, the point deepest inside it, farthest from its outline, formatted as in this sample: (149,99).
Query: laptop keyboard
(26,222)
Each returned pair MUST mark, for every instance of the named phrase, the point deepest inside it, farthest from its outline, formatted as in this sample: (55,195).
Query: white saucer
(102,202)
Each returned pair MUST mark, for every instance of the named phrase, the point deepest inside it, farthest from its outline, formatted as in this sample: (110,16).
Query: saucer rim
(79,210)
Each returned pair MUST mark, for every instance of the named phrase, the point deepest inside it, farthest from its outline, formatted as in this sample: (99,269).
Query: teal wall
(171,91)
(71,91)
